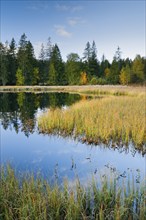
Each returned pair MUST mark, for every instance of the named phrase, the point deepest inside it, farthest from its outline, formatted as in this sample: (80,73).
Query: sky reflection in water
(47,154)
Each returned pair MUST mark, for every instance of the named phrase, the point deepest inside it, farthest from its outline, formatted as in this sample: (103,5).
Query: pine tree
(93,62)
(48,49)
(73,68)
(12,62)
(4,77)
(42,53)
(103,65)
(35,77)
(87,52)
(26,59)
(56,60)
(21,55)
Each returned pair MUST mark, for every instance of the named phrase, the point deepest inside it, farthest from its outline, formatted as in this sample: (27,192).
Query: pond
(54,156)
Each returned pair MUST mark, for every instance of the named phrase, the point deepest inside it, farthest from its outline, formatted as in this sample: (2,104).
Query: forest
(19,66)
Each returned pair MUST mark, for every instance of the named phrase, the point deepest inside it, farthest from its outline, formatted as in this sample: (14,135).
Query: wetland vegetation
(114,116)
(110,118)
(29,198)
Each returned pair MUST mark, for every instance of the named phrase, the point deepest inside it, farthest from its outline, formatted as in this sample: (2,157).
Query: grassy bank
(88,89)
(29,198)
(120,119)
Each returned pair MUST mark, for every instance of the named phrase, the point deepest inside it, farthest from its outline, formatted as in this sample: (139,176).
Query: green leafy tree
(125,75)
(19,77)
(52,75)
(138,69)
(35,79)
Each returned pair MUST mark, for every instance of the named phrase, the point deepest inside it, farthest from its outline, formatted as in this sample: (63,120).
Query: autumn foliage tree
(83,78)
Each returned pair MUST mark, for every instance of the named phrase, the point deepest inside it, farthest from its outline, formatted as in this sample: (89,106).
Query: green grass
(117,119)
(32,199)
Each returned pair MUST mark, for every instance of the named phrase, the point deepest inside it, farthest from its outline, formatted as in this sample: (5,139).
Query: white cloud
(61,31)
(38,5)
(62,7)
(68,8)
(75,21)
(76,8)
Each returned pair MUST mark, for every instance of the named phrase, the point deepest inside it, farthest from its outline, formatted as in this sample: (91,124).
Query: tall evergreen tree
(30,63)
(12,62)
(93,62)
(43,65)
(21,55)
(4,77)
(42,53)
(116,67)
(103,66)
(91,65)
(26,59)
(56,60)
(87,52)
(73,69)
(52,75)
(48,49)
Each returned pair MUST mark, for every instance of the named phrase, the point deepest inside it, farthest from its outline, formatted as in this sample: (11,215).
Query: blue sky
(71,24)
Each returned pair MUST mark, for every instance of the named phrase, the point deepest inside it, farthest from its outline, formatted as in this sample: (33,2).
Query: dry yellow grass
(120,119)
(87,89)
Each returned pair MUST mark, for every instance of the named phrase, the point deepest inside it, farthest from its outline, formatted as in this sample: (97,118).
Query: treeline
(18,66)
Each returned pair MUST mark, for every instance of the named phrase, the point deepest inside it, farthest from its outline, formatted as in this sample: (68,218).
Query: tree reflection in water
(18,110)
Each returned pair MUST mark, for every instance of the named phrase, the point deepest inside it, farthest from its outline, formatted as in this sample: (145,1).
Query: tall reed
(32,199)
(120,119)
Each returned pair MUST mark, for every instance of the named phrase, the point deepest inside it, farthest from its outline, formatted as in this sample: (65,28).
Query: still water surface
(26,150)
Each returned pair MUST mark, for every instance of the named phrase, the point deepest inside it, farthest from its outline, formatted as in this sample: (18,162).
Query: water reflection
(18,109)
(27,150)
(60,157)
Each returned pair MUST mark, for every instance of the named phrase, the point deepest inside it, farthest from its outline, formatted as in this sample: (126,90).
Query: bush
(98,81)
(93,81)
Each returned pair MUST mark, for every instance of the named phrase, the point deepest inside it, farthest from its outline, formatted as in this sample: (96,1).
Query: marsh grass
(29,198)
(116,90)
(117,119)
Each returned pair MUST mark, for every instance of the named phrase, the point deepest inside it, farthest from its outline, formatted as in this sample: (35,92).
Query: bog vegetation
(18,66)
(110,118)
(29,198)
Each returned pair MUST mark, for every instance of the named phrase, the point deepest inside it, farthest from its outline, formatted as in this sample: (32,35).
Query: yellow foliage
(83,78)
(107,72)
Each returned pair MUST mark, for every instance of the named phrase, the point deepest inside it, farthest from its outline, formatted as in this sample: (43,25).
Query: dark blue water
(53,156)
